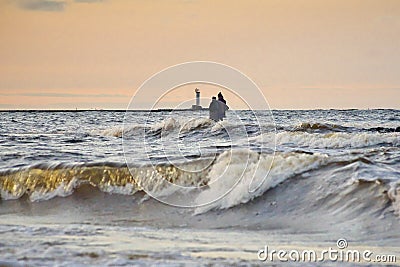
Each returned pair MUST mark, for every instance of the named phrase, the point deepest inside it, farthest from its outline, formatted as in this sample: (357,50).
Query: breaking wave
(45,182)
(330,140)
(42,183)
(315,127)
(167,125)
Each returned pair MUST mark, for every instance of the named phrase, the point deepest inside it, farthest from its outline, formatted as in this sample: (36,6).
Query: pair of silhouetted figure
(218,107)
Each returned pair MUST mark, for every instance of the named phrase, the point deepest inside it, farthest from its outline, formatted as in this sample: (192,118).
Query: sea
(174,188)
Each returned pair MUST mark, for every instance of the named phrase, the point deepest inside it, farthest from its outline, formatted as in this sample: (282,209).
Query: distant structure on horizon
(197,105)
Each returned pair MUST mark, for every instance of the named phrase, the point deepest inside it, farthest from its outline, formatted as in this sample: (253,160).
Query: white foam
(165,125)
(182,124)
(4,194)
(330,140)
(191,124)
(252,173)
(118,131)
(219,126)
(63,190)
(128,189)
(394,196)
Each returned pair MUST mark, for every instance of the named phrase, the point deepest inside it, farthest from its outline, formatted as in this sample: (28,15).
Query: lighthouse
(197,96)
(197,105)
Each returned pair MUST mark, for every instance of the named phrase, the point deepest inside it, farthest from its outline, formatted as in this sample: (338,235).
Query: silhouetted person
(214,109)
(221,98)
(223,106)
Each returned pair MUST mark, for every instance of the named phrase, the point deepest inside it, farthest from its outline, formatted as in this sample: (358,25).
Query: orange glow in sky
(303,54)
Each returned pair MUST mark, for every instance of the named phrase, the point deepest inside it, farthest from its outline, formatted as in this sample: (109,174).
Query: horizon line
(171,110)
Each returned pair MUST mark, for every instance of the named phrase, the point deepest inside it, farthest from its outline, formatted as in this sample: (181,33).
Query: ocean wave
(315,134)
(168,125)
(274,168)
(394,196)
(333,140)
(46,181)
(43,182)
(324,127)
(384,129)
(184,126)
(119,131)
(317,126)
(229,172)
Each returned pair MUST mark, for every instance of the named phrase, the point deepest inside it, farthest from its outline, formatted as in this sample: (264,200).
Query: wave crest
(284,166)
(330,140)
(312,127)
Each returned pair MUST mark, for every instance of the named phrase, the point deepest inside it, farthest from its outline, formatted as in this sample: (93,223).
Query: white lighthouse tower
(197,106)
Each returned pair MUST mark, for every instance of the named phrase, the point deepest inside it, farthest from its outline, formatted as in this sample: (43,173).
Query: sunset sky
(303,54)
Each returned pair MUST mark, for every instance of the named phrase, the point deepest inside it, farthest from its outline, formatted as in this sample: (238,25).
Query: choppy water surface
(68,196)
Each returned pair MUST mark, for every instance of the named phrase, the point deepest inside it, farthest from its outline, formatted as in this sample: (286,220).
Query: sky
(302,54)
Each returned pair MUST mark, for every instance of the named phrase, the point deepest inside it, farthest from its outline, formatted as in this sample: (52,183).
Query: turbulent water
(80,188)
